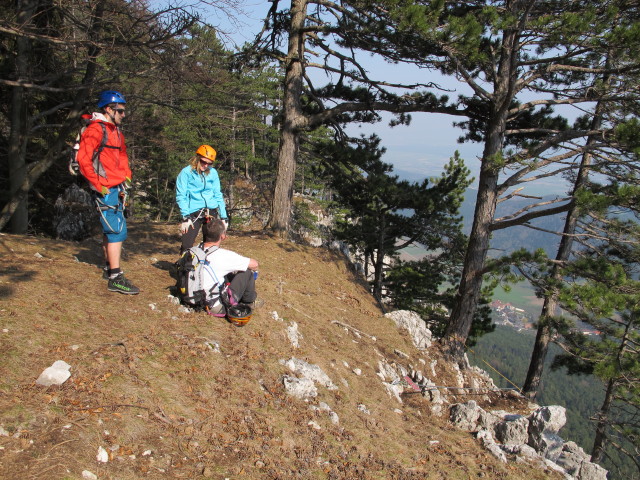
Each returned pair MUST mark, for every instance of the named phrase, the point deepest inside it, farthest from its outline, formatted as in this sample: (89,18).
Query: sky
(417,151)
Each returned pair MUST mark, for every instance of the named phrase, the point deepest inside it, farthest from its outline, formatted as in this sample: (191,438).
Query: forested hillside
(505,355)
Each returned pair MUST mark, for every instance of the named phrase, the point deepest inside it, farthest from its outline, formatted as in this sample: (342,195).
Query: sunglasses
(119,110)
(204,162)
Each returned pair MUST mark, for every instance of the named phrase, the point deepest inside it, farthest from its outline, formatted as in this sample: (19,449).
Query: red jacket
(113,158)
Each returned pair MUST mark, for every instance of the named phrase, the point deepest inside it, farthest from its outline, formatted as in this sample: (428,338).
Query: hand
(185,226)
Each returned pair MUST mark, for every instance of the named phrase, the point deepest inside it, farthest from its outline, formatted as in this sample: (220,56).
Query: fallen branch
(301,313)
(109,406)
(354,329)
(163,419)
(62,443)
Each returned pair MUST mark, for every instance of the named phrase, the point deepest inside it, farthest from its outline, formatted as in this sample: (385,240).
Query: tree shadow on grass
(151,239)
(167,267)
(144,239)
(12,275)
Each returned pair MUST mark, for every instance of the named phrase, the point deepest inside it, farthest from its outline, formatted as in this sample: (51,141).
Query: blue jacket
(195,191)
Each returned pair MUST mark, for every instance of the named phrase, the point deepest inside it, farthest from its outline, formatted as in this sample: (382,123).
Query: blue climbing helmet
(110,96)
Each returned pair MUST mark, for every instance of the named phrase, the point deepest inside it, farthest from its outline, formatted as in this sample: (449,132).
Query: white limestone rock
(414,325)
(56,374)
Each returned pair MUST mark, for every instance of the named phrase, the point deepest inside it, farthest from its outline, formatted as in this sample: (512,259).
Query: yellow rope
(492,368)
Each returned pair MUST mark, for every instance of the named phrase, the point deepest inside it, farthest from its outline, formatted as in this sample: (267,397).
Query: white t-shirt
(222,262)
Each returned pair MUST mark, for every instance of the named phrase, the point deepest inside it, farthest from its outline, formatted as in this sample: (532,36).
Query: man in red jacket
(103,161)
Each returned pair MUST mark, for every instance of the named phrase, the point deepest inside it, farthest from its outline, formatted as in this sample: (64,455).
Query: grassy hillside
(174,395)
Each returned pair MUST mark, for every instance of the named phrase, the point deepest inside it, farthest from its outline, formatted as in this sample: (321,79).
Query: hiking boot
(122,285)
(216,309)
(257,303)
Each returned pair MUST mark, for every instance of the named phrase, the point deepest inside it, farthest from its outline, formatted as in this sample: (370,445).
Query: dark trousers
(243,286)
(189,238)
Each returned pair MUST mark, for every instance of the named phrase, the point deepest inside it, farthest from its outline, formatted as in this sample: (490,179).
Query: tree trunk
(20,191)
(468,293)
(292,118)
(18,134)
(470,286)
(232,159)
(600,439)
(253,155)
(160,198)
(543,335)
(23,189)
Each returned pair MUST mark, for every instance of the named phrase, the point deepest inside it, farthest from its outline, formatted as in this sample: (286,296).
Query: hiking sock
(114,272)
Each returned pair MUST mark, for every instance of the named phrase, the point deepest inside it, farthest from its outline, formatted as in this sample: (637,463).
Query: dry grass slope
(149,385)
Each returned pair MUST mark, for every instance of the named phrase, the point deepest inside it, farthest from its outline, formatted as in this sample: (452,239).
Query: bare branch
(519,218)
(516,193)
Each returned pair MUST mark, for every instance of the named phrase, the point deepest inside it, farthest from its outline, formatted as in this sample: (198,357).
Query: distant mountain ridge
(508,240)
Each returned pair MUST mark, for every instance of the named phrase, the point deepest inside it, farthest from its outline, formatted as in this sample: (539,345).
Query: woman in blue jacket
(199,195)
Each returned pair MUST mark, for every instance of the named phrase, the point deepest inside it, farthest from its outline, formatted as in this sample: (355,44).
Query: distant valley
(508,240)
(511,239)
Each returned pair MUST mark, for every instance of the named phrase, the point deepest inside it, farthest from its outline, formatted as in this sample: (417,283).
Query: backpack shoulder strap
(215,289)
(95,159)
(105,138)
(199,253)
(210,250)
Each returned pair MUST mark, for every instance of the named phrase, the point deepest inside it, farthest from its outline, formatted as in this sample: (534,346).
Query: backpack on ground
(193,269)
(74,168)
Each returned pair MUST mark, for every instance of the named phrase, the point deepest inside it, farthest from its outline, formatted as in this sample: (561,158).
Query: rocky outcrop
(75,215)
(533,438)
(414,325)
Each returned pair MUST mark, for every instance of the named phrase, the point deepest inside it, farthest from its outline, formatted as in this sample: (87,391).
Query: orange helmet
(239,314)
(207,152)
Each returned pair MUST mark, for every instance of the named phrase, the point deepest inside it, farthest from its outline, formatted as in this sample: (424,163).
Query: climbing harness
(207,214)
(118,209)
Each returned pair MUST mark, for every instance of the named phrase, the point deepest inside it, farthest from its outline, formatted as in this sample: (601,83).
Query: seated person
(227,267)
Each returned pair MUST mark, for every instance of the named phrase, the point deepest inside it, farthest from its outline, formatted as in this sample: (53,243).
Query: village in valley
(510,316)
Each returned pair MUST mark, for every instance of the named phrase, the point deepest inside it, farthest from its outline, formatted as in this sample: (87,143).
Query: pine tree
(382,214)
(207,98)
(618,151)
(65,53)
(601,290)
(518,60)
(292,37)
